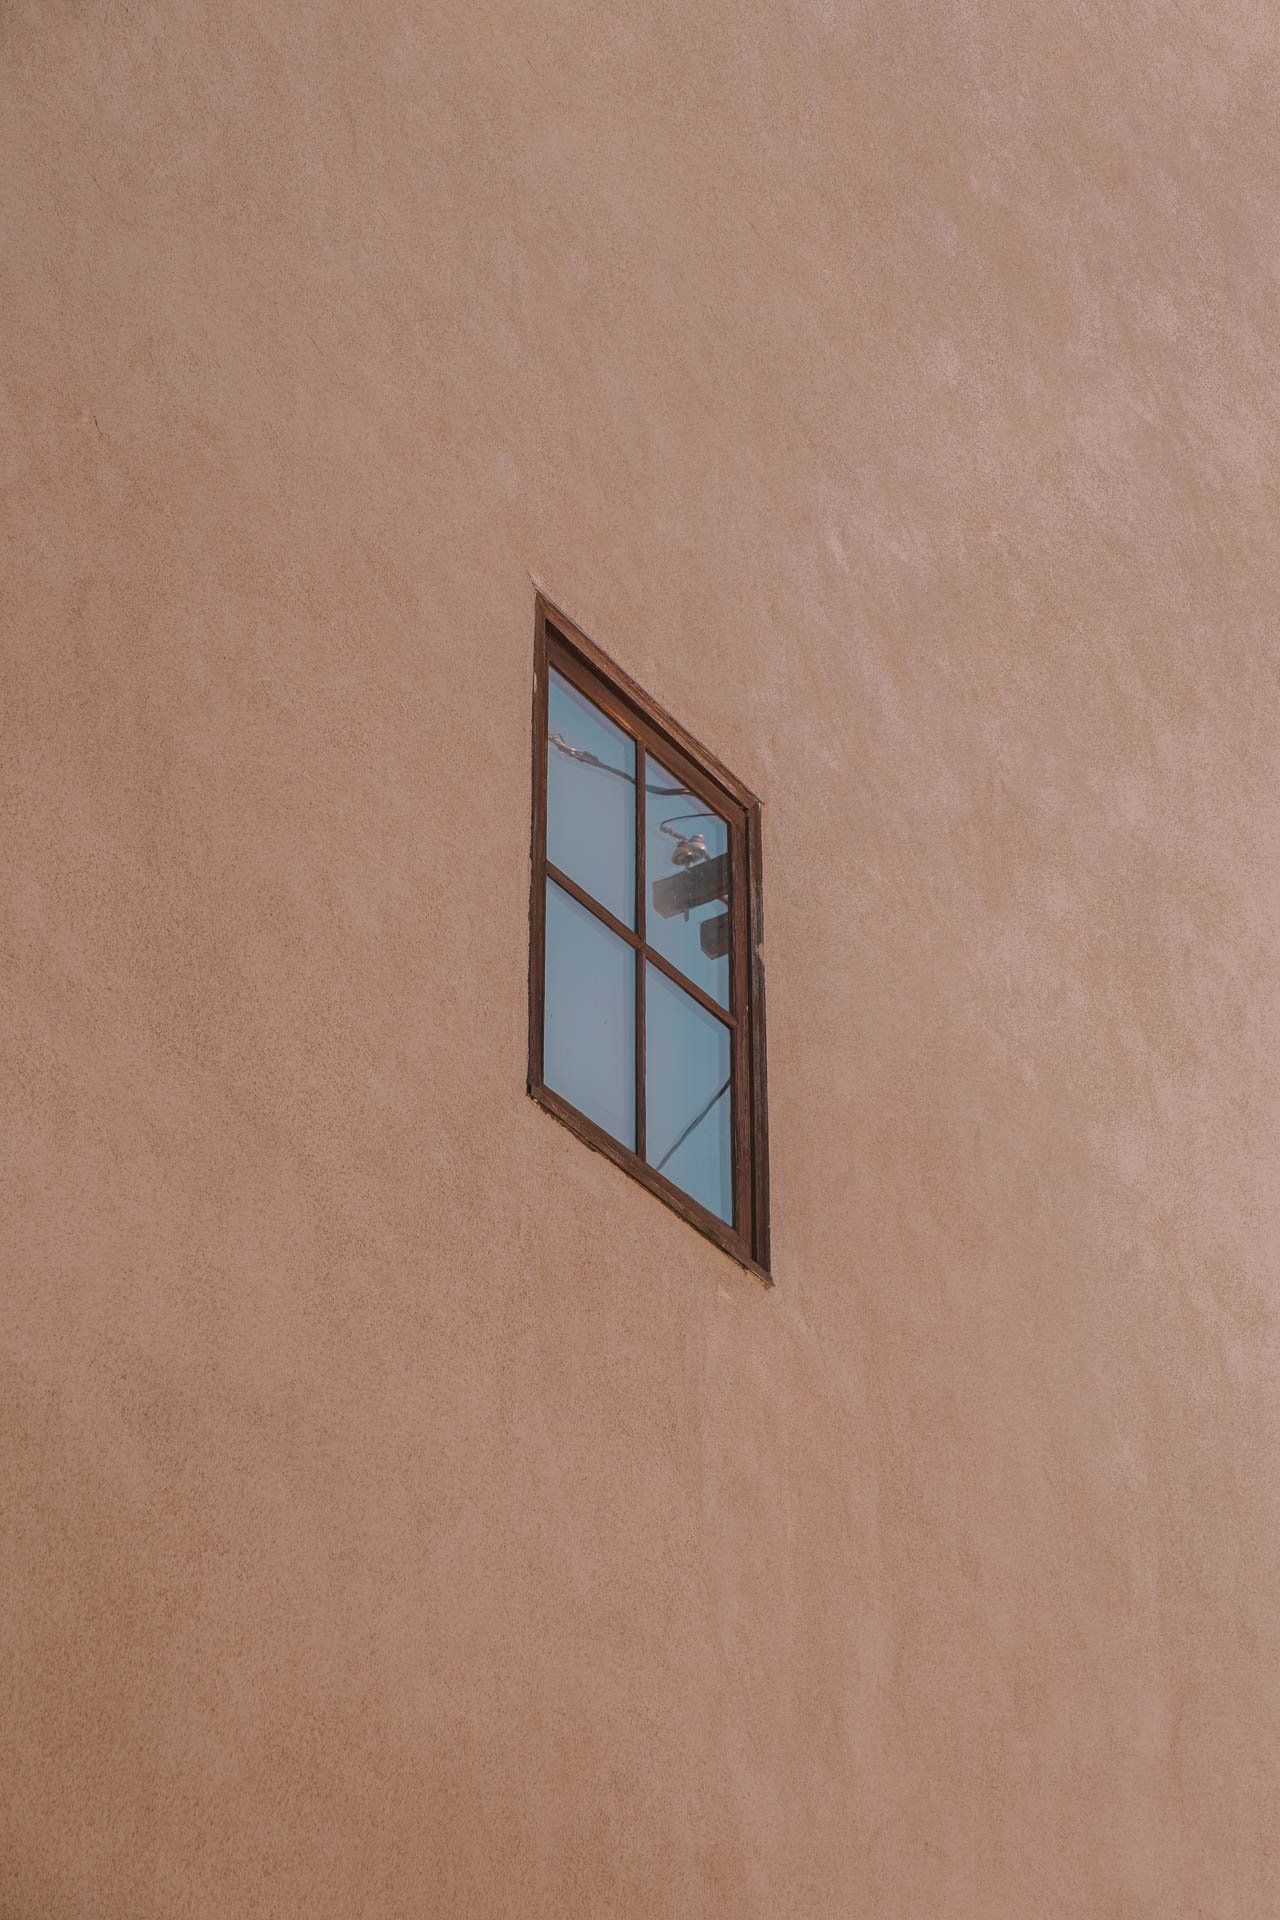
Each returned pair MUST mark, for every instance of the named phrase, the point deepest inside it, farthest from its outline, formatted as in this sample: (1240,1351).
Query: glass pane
(687,1098)
(589,1016)
(686,863)
(591,799)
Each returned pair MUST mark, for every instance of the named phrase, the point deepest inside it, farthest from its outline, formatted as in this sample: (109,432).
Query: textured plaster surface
(403,1513)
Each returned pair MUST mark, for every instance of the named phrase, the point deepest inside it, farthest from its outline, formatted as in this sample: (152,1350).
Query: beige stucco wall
(404,1514)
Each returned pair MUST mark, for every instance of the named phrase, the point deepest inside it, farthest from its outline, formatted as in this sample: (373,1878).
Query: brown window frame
(559,643)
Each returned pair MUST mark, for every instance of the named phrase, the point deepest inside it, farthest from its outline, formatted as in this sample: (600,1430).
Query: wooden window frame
(560,644)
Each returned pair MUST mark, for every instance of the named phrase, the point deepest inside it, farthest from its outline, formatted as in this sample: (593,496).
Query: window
(646,1015)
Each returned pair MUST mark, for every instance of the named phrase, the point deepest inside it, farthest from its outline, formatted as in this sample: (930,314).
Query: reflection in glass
(591,798)
(589,1048)
(686,858)
(688,1102)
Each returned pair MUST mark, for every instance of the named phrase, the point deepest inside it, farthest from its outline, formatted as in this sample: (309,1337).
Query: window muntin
(645,986)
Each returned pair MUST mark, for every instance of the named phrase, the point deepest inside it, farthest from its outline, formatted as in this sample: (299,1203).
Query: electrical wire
(696,1121)
(706,814)
(585,758)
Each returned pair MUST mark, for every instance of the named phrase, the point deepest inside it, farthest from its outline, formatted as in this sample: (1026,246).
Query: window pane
(589,1019)
(687,1097)
(686,859)
(591,799)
